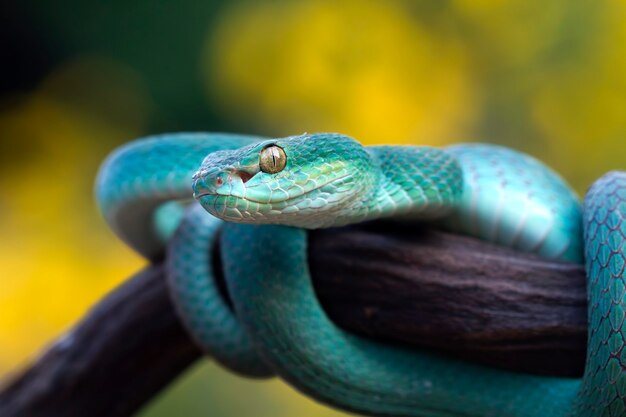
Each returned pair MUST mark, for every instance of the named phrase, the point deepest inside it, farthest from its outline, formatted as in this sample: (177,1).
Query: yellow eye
(272,159)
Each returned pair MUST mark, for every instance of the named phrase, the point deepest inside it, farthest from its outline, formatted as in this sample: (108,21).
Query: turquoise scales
(328,179)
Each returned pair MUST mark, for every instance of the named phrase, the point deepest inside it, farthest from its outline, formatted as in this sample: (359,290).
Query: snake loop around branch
(270,190)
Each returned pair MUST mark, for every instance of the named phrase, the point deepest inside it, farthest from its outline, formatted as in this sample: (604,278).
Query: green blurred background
(548,78)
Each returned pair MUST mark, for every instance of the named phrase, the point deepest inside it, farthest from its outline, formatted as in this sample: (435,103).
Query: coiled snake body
(277,187)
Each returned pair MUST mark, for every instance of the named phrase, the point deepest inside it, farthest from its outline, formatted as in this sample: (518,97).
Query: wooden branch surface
(413,286)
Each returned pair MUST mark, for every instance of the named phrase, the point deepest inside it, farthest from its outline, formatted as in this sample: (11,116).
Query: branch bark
(413,286)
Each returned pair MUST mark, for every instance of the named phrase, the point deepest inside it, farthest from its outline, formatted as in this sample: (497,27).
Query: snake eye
(272,159)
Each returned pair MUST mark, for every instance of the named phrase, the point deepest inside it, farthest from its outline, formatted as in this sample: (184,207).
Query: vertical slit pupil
(277,161)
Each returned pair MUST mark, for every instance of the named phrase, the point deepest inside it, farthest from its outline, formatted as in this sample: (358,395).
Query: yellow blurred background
(548,78)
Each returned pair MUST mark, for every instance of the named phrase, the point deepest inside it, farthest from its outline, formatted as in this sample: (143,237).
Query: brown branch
(128,347)
(453,293)
(413,286)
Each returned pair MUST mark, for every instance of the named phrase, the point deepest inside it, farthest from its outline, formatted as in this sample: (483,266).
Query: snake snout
(226,181)
(201,188)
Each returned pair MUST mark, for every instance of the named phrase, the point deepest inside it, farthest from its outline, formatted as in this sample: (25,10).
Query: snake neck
(410,181)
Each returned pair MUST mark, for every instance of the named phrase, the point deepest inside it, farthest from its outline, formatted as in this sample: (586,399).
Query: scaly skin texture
(329,180)
(139,177)
(604,387)
(344,183)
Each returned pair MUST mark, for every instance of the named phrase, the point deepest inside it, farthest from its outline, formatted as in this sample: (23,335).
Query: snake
(175,195)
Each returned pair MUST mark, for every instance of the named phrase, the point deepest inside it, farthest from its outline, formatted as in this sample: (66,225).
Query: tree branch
(405,285)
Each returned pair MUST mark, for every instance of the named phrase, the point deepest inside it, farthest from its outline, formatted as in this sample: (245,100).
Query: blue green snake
(259,195)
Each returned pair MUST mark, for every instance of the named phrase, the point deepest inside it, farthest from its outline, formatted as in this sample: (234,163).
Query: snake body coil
(325,180)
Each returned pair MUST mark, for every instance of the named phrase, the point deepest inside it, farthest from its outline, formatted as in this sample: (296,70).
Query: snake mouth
(205,194)
(252,200)
(275,201)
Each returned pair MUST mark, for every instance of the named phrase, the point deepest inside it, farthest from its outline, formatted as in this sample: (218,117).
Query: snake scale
(270,190)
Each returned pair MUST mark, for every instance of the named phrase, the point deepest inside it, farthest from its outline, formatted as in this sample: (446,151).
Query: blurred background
(548,78)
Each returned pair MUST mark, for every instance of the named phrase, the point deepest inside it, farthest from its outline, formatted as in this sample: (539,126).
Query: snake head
(300,180)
